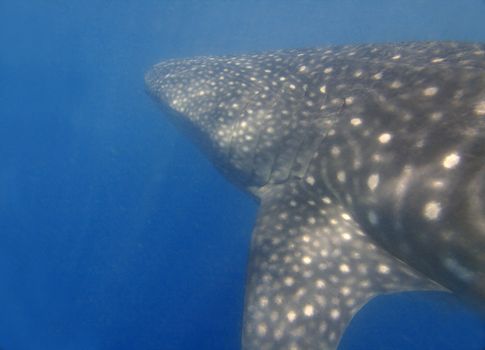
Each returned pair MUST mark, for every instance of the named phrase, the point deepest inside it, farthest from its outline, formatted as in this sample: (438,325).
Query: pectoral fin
(311,269)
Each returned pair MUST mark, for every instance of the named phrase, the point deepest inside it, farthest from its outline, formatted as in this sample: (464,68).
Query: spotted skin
(368,161)
(311,270)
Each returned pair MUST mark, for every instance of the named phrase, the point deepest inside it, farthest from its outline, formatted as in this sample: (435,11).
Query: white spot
(262,329)
(270,130)
(302,69)
(306,260)
(438,184)
(308,310)
(432,210)
(430,91)
(396,84)
(349,100)
(292,87)
(385,137)
(437,60)
(311,220)
(346,236)
(376,157)
(328,70)
(373,181)
(377,76)
(326,200)
(291,315)
(435,116)
(346,216)
(345,291)
(451,160)
(396,57)
(372,217)
(356,121)
(335,314)
(310,180)
(384,269)
(341,176)
(480,108)
(263,301)
(320,284)
(323,89)
(335,151)
(350,302)
(344,268)
(289,281)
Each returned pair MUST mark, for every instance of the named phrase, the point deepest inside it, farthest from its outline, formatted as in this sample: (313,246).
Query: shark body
(368,162)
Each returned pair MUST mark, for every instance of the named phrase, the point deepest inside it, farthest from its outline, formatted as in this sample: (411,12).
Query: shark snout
(154,78)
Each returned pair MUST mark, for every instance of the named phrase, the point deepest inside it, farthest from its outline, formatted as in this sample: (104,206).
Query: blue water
(115,232)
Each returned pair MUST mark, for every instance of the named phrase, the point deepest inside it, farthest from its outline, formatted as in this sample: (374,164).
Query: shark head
(368,161)
(246,113)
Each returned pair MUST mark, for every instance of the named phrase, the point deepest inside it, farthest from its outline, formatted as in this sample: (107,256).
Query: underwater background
(115,232)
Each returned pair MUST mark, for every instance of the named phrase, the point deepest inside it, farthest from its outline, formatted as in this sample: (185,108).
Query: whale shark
(368,162)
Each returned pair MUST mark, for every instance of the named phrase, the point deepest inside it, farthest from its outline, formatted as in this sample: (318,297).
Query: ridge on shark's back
(368,161)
